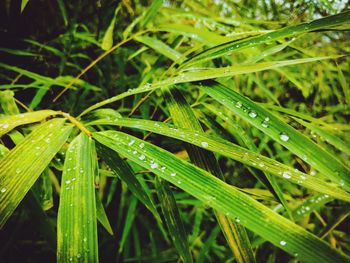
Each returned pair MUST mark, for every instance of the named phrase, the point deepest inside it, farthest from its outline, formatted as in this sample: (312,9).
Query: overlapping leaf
(227,199)
(21,167)
(235,152)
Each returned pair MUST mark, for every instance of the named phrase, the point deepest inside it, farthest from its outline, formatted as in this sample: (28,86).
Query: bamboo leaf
(281,132)
(173,219)
(7,101)
(216,144)
(124,171)
(129,220)
(184,117)
(102,216)
(290,31)
(22,166)
(159,46)
(204,74)
(76,223)
(225,198)
(107,41)
(329,137)
(24,4)
(8,123)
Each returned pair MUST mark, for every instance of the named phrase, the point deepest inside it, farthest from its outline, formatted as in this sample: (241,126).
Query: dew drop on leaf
(154,165)
(252,114)
(204,144)
(286,175)
(284,137)
(238,104)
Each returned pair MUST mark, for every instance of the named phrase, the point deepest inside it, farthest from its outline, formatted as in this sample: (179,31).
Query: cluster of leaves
(191,130)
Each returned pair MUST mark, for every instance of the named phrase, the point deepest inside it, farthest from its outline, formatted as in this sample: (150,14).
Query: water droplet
(142,145)
(68,182)
(163,168)
(173,174)
(5,125)
(252,114)
(239,104)
(3,190)
(286,175)
(264,124)
(73,179)
(18,171)
(134,152)
(284,137)
(142,157)
(81,170)
(131,142)
(283,243)
(78,255)
(237,219)
(204,144)
(154,165)
(47,140)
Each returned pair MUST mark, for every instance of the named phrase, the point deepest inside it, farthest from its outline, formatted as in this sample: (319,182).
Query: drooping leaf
(280,131)
(77,222)
(21,167)
(235,152)
(225,198)
(8,123)
(290,31)
(124,171)
(184,117)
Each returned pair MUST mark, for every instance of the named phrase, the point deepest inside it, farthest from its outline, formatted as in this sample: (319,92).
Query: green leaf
(225,198)
(184,117)
(173,219)
(151,12)
(204,74)
(212,73)
(102,216)
(24,4)
(160,47)
(22,166)
(8,123)
(43,190)
(76,223)
(129,220)
(290,31)
(226,148)
(281,132)
(107,41)
(327,136)
(124,172)
(7,101)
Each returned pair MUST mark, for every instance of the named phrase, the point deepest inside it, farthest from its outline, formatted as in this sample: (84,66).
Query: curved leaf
(22,166)
(225,198)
